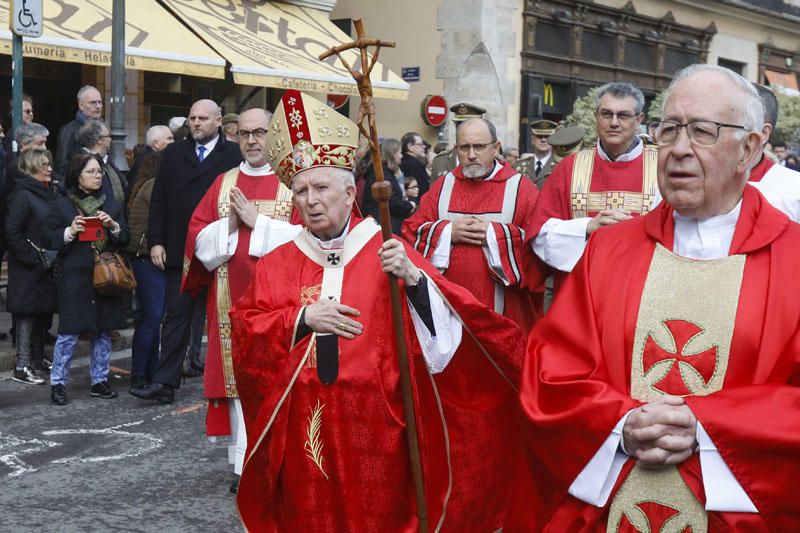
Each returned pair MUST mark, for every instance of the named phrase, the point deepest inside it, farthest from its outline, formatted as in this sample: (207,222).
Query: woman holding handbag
(82,224)
(31,293)
(150,281)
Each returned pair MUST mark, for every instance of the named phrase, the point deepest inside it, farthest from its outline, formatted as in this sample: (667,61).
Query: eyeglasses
(700,132)
(258,133)
(96,103)
(622,116)
(479,148)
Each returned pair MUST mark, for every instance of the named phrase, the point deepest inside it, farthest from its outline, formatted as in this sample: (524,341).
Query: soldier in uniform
(565,141)
(447,161)
(535,164)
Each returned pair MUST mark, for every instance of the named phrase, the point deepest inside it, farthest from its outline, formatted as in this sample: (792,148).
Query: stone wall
(479,49)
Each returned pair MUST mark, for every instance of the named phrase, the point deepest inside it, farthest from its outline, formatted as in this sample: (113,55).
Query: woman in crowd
(399,208)
(81,308)
(149,278)
(31,293)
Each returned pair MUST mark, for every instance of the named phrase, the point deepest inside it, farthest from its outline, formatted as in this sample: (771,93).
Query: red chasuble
(605,185)
(613,339)
(334,457)
(507,201)
(228,282)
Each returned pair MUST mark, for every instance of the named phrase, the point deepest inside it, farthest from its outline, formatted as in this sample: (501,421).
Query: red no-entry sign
(434,110)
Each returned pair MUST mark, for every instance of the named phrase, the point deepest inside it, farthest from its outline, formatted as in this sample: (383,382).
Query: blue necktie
(201,153)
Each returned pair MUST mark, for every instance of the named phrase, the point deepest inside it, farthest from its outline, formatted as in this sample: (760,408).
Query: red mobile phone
(94,229)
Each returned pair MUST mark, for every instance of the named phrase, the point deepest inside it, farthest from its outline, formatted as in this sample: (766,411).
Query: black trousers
(175,330)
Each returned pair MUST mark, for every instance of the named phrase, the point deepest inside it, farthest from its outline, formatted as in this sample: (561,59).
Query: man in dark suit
(187,171)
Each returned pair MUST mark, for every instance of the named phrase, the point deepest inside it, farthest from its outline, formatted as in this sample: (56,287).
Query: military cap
(465,111)
(566,141)
(230,117)
(543,127)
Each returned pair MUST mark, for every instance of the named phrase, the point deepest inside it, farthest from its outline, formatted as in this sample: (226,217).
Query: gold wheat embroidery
(314,443)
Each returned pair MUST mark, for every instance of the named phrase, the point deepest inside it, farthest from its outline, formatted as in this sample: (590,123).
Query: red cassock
(226,287)
(507,201)
(334,457)
(588,360)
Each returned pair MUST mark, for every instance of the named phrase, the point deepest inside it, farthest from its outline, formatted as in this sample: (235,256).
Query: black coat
(81,309)
(399,209)
(67,144)
(414,168)
(31,288)
(181,182)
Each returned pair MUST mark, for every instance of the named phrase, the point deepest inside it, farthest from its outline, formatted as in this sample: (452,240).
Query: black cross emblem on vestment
(333,259)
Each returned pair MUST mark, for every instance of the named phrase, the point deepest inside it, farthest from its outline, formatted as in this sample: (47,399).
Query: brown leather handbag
(113,275)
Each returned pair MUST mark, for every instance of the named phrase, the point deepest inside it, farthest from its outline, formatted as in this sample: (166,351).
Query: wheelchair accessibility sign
(25,18)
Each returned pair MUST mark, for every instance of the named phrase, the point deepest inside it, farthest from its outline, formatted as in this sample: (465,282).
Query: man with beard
(187,171)
(472,225)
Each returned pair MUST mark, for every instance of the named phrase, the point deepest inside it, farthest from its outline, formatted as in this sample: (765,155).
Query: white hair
(343,175)
(153,133)
(750,107)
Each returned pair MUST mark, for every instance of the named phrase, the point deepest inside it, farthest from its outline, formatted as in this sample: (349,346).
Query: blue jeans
(62,357)
(150,290)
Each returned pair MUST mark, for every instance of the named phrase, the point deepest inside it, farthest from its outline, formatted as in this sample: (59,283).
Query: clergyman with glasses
(245,214)
(472,226)
(598,186)
(681,380)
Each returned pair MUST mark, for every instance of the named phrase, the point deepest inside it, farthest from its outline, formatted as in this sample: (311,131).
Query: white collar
(630,155)
(707,238)
(495,170)
(335,243)
(245,167)
(542,159)
(210,145)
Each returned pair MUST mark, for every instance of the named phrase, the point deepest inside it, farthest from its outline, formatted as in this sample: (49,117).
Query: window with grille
(552,39)
(639,56)
(598,47)
(674,60)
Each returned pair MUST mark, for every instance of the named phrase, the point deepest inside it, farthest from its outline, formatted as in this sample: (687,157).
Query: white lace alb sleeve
(438,350)
(269,233)
(441,255)
(594,483)
(214,245)
(560,243)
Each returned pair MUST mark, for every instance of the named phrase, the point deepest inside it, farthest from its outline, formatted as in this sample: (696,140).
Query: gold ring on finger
(340,325)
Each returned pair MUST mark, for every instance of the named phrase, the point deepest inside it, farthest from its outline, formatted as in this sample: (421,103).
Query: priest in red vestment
(661,391)
(245,214)
(597,186)
(318,376)
(473,223)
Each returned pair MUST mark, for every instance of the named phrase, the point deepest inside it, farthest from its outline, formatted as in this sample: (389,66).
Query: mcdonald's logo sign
(548,98)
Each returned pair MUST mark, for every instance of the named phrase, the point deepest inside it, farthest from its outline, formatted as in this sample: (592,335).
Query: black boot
(58,394)
(154,391)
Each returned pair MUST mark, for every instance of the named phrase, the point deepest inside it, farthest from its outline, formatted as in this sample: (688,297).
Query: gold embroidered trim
(279,209)
(583,202)
(314,445)
(656,490)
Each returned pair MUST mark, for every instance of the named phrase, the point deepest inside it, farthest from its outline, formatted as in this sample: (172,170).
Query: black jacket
(414,168)
(181,182)
(67,144)
(31,288)
(81,309)
(399,209)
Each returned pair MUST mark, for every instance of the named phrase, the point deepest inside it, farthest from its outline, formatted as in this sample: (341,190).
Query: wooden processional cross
(382,191)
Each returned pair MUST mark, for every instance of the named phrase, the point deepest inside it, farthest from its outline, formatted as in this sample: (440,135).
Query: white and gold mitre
(306,133)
